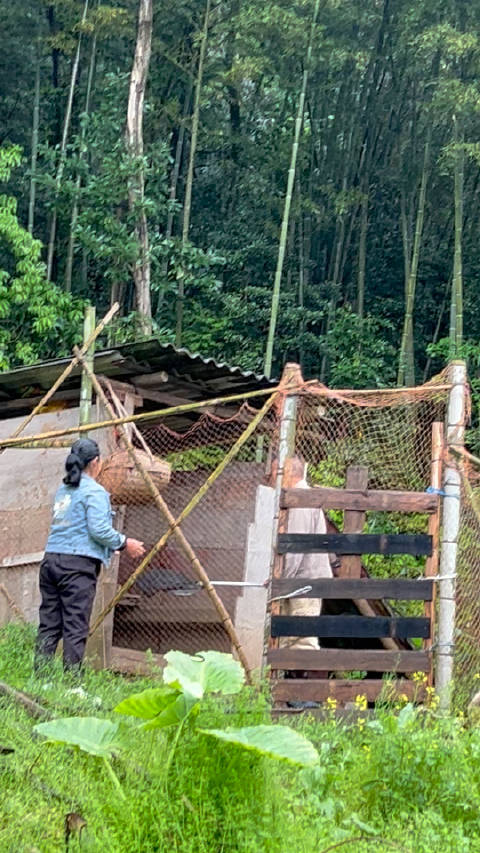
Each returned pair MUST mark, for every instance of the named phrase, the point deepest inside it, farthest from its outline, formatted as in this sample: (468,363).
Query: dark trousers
(67,587)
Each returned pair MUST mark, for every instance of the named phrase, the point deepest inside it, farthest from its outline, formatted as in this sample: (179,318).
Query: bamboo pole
(174,523)
(63,146)
(432,563)
(187,204)
(51,444)
(405,374)
(450,533)
(56,385)
(288,197)
(86,386)
(29,704)
(286,449)
(143,417)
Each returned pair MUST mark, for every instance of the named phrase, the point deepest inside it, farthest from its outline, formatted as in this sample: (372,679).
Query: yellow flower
(361,702)
(420,677)
(331,703)
(361,723)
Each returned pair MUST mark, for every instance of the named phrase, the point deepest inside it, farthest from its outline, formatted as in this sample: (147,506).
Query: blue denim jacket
(82,522)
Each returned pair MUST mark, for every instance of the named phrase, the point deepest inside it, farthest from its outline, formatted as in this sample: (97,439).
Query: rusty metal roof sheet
(126,361)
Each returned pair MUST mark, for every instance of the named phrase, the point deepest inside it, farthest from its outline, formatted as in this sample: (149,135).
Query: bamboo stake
(11,603)
(121,411)
(47,444)
(450,532)
(143,417)
(29,704)
(174,523)
(56,385)
(431,566)
(86,386)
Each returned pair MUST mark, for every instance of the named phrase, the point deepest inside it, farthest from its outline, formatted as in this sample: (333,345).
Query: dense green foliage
(402,780)
(392,105)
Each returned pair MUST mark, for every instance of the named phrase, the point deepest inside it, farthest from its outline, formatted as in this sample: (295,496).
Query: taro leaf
(175,713)
(148,703)
(90,734)
(205,672)
(273,741)
(406,716)
(162,706)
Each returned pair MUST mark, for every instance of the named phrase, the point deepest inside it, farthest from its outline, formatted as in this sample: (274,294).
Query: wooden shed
(146,377)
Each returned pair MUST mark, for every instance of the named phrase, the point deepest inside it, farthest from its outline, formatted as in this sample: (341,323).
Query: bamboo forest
(259,182)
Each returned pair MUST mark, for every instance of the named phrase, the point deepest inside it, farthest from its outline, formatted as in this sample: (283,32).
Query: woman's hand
(134,548)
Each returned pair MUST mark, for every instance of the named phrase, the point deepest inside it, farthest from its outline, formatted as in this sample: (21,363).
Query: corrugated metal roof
(130,360)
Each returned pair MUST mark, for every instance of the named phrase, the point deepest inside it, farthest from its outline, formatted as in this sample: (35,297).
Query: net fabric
(467,612)
(389,431)
(166,607)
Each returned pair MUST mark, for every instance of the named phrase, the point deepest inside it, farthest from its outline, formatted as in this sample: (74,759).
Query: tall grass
(401,781)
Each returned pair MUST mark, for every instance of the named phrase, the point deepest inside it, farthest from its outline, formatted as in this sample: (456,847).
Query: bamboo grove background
(294,180)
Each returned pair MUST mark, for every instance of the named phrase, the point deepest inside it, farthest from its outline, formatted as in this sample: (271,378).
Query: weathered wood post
(450,532)
(292,375)
(86,386)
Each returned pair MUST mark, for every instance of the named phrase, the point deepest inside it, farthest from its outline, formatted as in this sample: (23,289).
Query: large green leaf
(274,741)
(90,734)
(175,713)
(148,703)
(205,672)
(162,706)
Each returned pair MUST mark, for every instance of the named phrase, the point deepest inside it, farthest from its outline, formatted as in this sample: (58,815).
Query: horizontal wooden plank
(355,543)
(344,690)
(344,660)
(359,627)
(397,589)
(133,662)
(352,499)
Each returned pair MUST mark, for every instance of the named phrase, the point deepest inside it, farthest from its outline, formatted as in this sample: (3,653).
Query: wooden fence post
(354,520)
(86,386)
(451,525)
(292,375)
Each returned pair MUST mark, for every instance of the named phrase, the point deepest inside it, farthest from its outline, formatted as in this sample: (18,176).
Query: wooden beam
(133,662)
(355,543)
(349,499)
(345,690)
(355,627)
(354,520)
(398,589)
(344,660)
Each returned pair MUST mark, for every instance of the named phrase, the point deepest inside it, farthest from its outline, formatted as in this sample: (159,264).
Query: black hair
(82,453)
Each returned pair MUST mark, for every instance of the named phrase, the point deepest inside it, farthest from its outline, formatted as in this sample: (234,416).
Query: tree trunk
(134,142)
(362,254)
(456,332)
(173,189)
(63,147)
(82,152)
(187,204)
(33,159)
(406,366)
(288,199)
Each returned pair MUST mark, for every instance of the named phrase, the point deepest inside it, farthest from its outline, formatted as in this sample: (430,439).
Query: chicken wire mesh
(467,612)
(167,607)
(389,432)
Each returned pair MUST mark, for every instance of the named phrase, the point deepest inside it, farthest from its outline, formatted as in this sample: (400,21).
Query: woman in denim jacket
(81,539)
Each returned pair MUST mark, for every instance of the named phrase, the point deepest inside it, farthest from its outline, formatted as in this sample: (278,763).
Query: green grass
(394,782)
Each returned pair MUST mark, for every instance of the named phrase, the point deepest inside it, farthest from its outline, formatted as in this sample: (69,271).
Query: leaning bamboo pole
(174,524)
(56,385)
(143,417)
